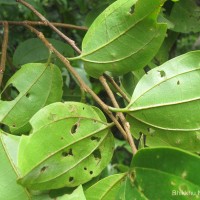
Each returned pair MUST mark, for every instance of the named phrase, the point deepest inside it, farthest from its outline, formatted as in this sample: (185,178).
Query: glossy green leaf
(70,144)
(37,85)
(9,189)
(167,173)
(123,38)
(107,188)
(33,50)
(185,16)
(166,103)
(77,194)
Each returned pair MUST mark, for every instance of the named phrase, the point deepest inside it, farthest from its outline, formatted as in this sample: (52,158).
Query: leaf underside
(166,103)
(171,170)
(122,40)
(9,189)
(72,139)
(37,85)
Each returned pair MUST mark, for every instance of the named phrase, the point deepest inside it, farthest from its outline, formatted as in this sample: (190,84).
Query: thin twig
(121,116)
(82,84)
(4,51)
(46,22)
(112,81)
(39,23)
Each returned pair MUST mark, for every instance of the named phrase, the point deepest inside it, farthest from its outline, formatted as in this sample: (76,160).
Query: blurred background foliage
(82,13)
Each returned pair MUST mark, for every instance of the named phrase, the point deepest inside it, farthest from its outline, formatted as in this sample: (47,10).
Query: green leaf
(166,103)
(164,51)
(9,189)
(42,197)
(37,85)
(130,80)
(167,173)
(123,38)
(185,16)
(77,194)
(68,139)
(92,15)
(33,50)
(107,188)
(129,191)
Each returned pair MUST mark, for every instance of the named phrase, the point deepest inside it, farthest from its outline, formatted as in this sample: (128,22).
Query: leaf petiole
(117,109)
(74,58)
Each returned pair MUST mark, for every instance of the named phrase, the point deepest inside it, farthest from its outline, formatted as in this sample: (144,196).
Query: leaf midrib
(123,58)
(81,160)
(68,117)
(164,104)
(68,145)
(23,94)
(12,164)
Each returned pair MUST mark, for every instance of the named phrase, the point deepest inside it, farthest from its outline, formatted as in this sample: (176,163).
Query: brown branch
(121,116)
(46,22)
(82,84)
(4,51)
(39,23)
(112,81)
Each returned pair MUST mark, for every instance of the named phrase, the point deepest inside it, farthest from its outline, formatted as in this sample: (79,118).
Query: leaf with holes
(166,103)
(72,139)
(185,15)
(36,85)
(9,189)
(123,38)
(173,171)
